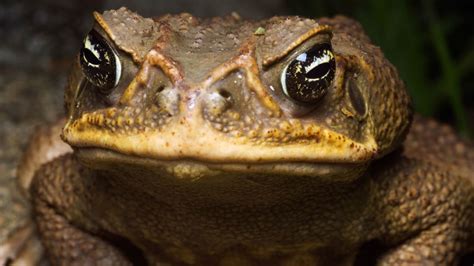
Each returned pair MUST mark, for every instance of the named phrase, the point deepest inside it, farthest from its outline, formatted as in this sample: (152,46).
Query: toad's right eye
(100,62)
(307,78)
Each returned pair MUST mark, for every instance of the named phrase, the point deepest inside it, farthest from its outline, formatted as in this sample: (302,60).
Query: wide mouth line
(193,169)
(113,154)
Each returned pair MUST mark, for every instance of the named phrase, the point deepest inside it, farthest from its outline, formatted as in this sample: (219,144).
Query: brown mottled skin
(197,157)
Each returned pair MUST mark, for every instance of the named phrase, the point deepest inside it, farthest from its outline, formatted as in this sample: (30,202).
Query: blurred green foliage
(431,43)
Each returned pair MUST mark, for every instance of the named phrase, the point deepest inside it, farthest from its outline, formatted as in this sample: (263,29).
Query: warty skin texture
(197,157)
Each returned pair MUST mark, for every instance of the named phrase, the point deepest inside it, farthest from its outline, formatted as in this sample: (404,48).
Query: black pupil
(309,76)
(98,62)
(319,71)
(90,57)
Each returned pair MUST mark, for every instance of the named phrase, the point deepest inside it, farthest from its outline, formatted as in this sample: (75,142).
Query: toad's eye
(100,62)
(307,78)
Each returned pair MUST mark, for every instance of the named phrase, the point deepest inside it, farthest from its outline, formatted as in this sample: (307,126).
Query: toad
(224,141)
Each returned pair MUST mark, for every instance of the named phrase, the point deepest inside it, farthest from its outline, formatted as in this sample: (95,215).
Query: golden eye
(307,78)
(100,62)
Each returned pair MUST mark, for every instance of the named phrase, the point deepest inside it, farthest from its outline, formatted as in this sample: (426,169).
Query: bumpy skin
(197,157)
(15,223)
(19,243)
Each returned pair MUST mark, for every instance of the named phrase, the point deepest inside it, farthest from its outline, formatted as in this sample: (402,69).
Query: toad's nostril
(225,94)
(160,89)
(167,99)
(217,102)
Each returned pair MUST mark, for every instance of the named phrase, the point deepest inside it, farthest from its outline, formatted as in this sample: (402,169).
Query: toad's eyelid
(321,29)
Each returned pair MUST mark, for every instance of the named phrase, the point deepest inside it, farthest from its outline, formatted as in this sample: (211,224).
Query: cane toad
(224,141)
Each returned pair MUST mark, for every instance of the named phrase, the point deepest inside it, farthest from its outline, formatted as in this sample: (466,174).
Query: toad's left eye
(100,62)
(307,78)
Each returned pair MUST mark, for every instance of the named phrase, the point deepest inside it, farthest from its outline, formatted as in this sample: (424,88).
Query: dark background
(431,43)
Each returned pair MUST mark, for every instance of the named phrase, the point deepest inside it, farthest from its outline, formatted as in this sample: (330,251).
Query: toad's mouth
(196,141)
(183,168)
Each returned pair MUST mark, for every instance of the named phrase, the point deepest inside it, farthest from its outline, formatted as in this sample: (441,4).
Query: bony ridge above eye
(306,79)
(100,62)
